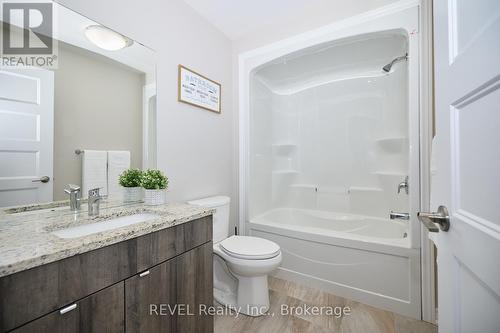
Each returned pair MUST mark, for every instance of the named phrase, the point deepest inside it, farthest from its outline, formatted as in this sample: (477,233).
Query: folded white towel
(94,171)
(118,161)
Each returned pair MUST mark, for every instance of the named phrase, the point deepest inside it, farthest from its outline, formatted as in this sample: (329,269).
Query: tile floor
(362,318)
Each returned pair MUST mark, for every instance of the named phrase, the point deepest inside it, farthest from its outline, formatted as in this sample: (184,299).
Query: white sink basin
(88,229)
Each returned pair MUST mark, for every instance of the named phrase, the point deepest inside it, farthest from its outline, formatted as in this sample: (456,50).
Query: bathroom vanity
(126,279)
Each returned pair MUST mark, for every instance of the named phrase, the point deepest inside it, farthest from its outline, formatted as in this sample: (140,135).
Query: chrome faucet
(94,201)
(75,197)
(404,184)
(399,216)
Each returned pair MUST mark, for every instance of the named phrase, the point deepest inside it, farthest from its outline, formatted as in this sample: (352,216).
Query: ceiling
(240,18)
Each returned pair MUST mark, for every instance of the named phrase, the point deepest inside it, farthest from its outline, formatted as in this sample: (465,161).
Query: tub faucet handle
(404,185)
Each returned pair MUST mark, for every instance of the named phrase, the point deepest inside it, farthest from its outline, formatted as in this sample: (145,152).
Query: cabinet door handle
(68,309)
(143,274)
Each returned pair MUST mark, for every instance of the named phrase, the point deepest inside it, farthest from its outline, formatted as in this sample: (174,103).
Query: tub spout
(399,216)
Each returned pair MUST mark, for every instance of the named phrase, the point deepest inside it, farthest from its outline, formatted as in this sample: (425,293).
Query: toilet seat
(250,248)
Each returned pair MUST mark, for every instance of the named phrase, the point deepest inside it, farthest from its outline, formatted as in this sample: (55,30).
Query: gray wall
(98,105)
(195,147)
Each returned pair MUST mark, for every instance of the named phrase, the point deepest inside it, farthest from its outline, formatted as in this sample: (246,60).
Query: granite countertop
(26,240)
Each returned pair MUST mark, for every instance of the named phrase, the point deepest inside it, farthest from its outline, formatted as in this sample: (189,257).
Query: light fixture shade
(106,39)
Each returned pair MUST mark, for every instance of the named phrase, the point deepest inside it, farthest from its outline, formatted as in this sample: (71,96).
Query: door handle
(441,217)
(43,179)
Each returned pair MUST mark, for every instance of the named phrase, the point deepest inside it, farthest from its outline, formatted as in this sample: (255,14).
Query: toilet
(241,263)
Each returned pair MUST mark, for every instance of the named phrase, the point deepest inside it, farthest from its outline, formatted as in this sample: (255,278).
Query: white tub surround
(326,138)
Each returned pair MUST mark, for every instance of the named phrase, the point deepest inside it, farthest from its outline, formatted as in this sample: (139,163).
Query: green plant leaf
(154,180)
(130,178)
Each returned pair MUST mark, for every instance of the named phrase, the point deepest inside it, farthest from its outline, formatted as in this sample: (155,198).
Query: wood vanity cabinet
(116,288)
(155,306)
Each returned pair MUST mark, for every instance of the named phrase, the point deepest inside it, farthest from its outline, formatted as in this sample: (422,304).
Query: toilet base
(253,295)
(244,294)
(241,284)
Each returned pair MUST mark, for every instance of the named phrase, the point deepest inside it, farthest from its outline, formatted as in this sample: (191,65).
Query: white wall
(195,147)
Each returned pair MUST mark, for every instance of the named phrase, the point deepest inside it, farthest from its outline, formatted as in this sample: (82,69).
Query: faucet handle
(75,196)
(94,192)
(93,201)
(72,188)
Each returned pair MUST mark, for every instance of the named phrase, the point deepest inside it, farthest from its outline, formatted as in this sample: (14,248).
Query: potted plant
(155,185)
(131,181)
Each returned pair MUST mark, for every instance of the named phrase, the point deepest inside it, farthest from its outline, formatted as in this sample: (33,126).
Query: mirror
(99,97)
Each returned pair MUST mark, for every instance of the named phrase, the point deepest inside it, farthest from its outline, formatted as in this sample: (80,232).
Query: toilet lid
(246,247)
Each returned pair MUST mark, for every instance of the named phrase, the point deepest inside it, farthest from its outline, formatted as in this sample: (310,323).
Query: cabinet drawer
(36,292)
(99,312)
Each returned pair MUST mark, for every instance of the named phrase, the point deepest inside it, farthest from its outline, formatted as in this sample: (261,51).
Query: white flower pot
(154,197)
(131,194)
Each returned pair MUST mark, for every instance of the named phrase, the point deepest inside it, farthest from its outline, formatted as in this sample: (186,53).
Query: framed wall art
(198,90)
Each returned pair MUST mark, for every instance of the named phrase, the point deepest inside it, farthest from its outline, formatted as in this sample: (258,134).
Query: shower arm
(387,68)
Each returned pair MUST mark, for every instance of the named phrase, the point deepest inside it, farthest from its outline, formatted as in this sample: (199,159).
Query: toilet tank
(221,216)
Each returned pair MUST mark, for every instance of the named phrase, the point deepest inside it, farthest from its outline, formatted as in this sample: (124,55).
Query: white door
(26,136)
(467,161)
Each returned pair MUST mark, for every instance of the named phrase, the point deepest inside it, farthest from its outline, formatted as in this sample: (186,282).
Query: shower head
(387,68)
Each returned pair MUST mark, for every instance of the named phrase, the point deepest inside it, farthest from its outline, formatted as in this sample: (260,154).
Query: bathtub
(355,227)
(366,259)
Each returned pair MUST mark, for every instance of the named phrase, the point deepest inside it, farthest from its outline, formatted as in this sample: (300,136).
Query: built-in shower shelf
(284,144)
(284,147)
(390,173)
(311,186)
(285,172)
(321,189)
(396,144)
(364,189)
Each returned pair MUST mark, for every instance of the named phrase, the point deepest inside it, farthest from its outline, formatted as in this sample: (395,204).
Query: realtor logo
(27,34)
